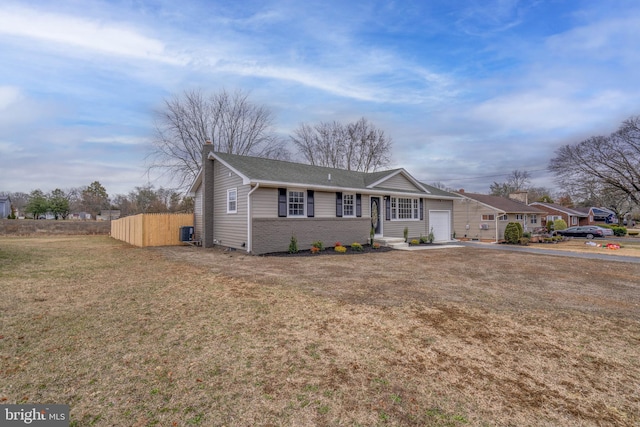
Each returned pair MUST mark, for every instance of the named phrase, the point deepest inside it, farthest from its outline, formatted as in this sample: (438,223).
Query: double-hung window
(348,205)
(488,217)
(295,202)
(504,217)
(232,200)
(534,218)
(403,208)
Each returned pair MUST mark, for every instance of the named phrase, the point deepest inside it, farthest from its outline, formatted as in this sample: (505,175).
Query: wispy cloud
(109,38)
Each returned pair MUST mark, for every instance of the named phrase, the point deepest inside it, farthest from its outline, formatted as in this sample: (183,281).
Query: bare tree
(517,181)
(229,120)
(356,146)
(602,163)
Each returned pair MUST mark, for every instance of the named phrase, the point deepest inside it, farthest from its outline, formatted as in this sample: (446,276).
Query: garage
(440,224)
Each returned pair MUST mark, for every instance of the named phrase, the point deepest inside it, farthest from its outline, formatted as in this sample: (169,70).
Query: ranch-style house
(256,205)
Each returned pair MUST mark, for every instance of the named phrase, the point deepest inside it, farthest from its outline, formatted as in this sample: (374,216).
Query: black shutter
(282,202)
(310,210)
(338,204)
(358,205)
(387,199)
(421,210)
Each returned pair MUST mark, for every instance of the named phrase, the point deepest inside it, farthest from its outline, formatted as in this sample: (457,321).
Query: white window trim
(395,210)
(304,202)
(353,205)
(229,192)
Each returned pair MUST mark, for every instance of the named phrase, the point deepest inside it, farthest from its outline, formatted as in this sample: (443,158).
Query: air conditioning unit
(484,226)
(186,234)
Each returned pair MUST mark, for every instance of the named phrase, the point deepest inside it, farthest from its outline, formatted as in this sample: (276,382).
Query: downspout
(497,230)
(249,222)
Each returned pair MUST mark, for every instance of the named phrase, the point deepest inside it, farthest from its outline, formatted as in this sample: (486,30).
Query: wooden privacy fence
(151,229)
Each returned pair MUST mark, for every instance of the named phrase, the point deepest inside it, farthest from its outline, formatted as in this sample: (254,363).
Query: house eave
(335,188)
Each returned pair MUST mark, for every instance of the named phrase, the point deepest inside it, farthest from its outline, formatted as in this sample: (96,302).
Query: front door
(376,222)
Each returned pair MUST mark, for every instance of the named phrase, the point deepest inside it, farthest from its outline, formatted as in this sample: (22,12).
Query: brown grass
(186,336)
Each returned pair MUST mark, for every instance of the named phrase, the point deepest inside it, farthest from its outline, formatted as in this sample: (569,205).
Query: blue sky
(468,90)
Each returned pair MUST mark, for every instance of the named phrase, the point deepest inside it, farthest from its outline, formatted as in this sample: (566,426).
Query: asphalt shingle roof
(503,204)
(269,170)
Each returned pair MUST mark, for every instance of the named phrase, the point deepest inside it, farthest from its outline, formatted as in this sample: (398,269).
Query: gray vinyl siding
(197,214)
(398,182)
(325,204)
(264,203)
(229,229)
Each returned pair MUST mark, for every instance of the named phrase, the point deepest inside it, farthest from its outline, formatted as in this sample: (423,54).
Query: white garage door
(440,222)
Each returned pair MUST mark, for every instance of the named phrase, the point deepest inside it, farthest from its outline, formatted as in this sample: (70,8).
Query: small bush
(424,239)
(356,247)
(337,244)
(375,245)
(526,234)
(633,232)
(315,250)
(559,224)
(293,245)
(524,241)
(339,248)
(619,231)
(431,237)
(415,242)
(513,233)
(405,233)
(318,245)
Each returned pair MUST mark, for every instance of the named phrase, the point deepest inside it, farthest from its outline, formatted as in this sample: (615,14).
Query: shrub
(405,233)
(431,237)
(513,233)
(527,235)
(337,244)
(340,248)
(318,245)
(633,232)
(559,224)
(619,231)
(415,242)
(293,245)
(315,250)
(424,239)
(356,247)
(524,241)
(375,245)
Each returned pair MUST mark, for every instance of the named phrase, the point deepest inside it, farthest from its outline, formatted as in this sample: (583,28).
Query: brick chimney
(207,195)
(461,191)
(520,196)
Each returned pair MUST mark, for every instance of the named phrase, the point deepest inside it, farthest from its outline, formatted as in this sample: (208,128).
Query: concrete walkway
(429,247)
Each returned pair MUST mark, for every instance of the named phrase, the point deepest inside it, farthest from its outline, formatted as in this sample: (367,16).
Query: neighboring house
(79,216)
(484,217)
(5,207)
(554,211)
(597,216)
(257,205)
(108,214)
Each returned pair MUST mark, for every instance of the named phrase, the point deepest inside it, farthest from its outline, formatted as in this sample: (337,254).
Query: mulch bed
(366,249)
